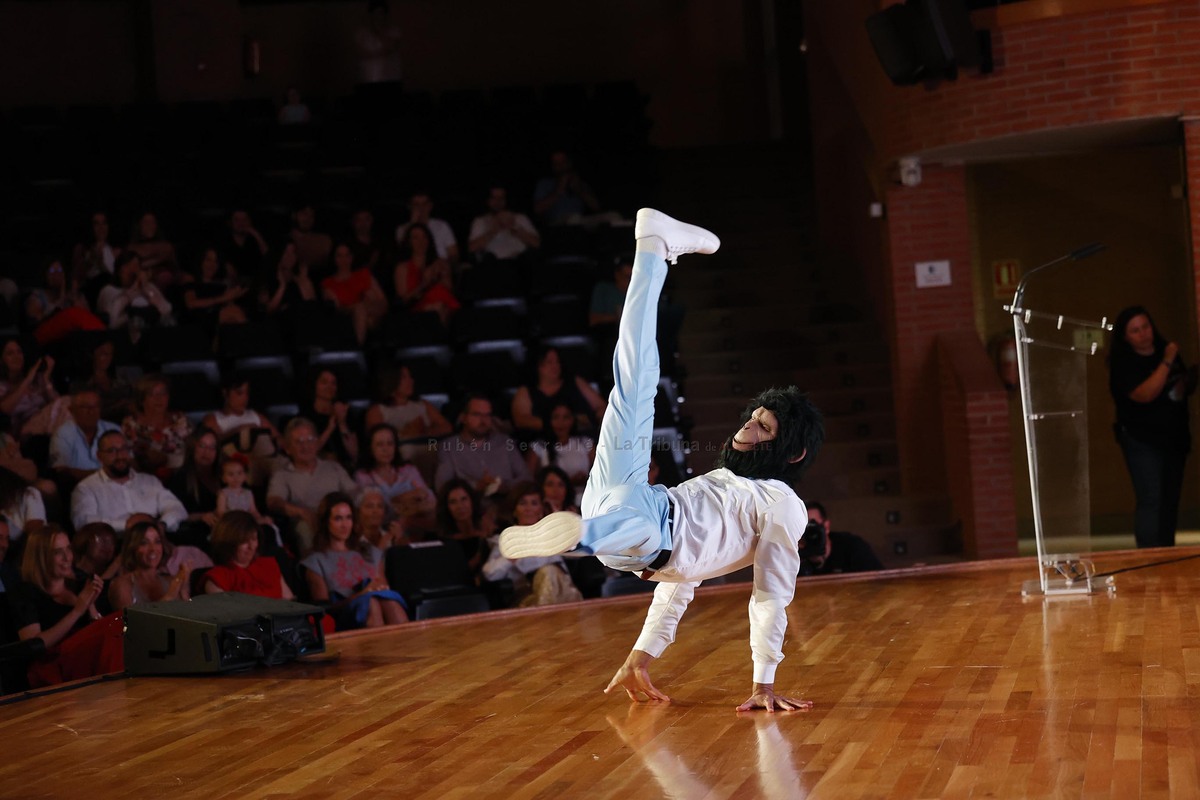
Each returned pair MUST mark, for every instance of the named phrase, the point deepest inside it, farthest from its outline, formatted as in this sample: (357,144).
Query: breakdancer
(742,513)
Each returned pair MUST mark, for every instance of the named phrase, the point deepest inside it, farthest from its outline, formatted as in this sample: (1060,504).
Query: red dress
(350,290)
(261,578)
(434,295)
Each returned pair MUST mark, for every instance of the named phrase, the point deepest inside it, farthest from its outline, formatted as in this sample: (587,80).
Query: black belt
(663,556)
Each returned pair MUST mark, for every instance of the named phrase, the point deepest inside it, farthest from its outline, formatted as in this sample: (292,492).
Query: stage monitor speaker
(924,41)
(218,633)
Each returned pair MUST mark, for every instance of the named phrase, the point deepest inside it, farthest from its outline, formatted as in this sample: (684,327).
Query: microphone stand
(1076,573)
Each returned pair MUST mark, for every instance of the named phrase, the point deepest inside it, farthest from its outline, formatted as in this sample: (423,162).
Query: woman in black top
(1149,384)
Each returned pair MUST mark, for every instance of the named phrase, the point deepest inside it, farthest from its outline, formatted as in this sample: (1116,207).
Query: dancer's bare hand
(764,697)
(634,678)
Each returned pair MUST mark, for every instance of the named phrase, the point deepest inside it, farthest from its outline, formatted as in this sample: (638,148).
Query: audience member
(422,279)
(330,415)
(140,580)
(21,504)
(378,528)
(239,567)
(562,446)
(489,460)
(73,445)
(116,490)
(157,255)
(242,429)
(366,247)
(420,212)
(461,519)
(133,300)
(53,311)
(552,386)
(212,298)
(175,556)
(844,552)
(12,459)
(354,292)
(294,111)
(501,233)
(563,198)
(398,406)
(357,594)
(197,482)
(297,487)
(80,642)
(243,246)
(538,580)
(95,549)
(312,247)
(234,496)
(608,297)
(94,260)
(116,395)
(289,289)
(9,574)
(557,491)
(155,431)
(382,467)
(28,398)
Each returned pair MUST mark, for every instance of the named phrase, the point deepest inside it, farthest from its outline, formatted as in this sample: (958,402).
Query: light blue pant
(625,518)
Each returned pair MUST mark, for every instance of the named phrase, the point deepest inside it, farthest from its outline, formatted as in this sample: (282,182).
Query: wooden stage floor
(935,683)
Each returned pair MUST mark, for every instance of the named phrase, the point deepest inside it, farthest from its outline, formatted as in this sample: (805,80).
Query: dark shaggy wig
(801,432)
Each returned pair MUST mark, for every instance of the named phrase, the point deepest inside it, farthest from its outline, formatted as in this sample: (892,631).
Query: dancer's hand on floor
(634,678)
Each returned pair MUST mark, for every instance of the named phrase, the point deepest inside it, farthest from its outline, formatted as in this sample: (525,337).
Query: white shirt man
(421,206)
(502,233)
(115,491)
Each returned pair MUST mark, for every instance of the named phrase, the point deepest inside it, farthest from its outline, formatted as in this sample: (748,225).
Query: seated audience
(354,292)
(312,247)
(844,552)
(141,580)
(94,260)
(461,519)
(383,468)
(294,111)
(21,504)
(157,255)
(234,496)
(420,211)
(357,594)
(13,460)
(564,198)
(95,549)
(116,395)
(239,567)
(55,310)
(400,407)
(501,233)
(378,532)
(73,445)
(330,414)
(422,279)
(133,300)
(552,385)
(297,487)
(242,429)
(557,491)
(155,431)
(213,298)
(28,397)
(196,484)
(80,642)
(289,289)
(538,581)
(367,249)
(563,447)
(490,461)
(175,556)
(116,490)
(244,248)
(608,298)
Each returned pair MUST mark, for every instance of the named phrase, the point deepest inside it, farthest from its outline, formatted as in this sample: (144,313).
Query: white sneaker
(679,237)
(551,535)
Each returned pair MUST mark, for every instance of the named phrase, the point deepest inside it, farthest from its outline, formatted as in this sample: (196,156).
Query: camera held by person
(826,552)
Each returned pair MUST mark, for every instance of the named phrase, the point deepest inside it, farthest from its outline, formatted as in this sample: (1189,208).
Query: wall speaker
(924,41)
(219,633)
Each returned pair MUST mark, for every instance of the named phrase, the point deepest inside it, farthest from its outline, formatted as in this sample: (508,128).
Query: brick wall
(926,223)
(1072,70)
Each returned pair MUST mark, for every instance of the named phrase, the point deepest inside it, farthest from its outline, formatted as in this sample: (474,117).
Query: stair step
(700,339)
(847,486)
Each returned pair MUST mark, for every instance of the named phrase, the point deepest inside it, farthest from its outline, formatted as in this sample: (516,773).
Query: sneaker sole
(549,536)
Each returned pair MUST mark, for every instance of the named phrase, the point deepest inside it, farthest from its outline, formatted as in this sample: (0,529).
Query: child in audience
(234,496)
